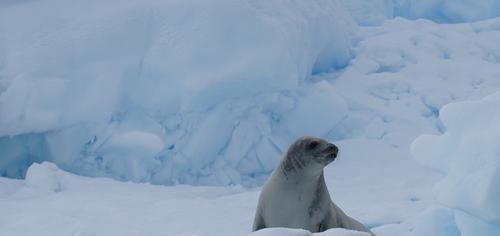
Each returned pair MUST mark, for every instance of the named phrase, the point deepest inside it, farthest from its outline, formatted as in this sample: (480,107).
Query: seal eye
(312,145)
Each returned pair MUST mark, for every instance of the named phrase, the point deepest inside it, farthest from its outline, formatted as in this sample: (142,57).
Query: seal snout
(331,150)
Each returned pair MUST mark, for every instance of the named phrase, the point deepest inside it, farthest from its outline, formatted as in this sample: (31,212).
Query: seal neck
(291,169)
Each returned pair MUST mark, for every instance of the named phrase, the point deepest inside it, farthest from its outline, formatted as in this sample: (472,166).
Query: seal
(296,196)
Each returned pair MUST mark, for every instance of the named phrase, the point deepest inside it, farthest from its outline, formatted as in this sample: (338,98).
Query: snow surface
(192,92)
(54,202)
(469,154)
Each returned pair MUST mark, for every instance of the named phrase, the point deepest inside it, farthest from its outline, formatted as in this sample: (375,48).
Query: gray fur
(296,196)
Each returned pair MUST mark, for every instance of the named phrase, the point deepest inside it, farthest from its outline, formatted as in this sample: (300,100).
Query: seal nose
(332,149)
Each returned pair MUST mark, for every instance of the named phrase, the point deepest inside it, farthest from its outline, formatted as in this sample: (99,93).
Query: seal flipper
(336,218)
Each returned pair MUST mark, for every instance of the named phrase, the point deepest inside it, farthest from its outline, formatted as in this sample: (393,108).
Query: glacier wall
(469,155)
(196,92)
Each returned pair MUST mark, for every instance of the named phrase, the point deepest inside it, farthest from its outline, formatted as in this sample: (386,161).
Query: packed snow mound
(163,91)
(301,232)
(469,155)
(43,176)
(374,12)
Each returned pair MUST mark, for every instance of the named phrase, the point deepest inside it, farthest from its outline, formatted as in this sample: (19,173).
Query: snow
(192,92)
(437,221)
(43,176)
(95,206)
(375,12)
(155,91)
(219,123)
(102,206)
(317,111)
(470,158)
(134,110)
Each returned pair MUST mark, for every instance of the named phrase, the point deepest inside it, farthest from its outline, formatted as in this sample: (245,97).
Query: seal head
(309,155)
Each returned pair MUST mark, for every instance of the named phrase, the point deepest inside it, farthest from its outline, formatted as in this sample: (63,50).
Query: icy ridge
(469,155)
(154,96)
(164,91)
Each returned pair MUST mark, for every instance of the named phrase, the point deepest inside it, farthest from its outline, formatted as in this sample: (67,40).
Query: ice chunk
(162,56)
(135,143)
(436,221)
(44,176)
(131,154)
(472,226)
(208,140)
(470,10)
(469,154)
(160,90)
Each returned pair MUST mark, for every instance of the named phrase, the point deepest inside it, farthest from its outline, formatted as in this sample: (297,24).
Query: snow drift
(50,198)
(163,91)
(469,155)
